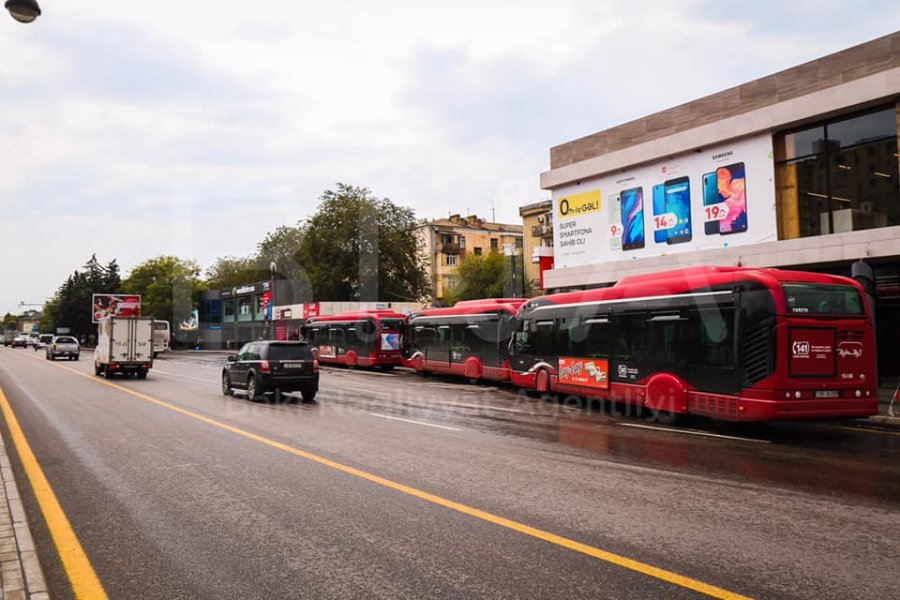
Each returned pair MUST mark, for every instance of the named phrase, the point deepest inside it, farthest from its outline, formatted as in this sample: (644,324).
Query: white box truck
(124,345)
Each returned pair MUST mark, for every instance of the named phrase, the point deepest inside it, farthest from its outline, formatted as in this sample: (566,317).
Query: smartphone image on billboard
(731,182)
(710,197)
(615,222)
(659,208)
(632,202)
(678,201)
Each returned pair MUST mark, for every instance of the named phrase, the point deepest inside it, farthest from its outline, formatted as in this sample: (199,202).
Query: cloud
(179,128)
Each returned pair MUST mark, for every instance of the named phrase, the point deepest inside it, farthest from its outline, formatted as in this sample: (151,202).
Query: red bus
(470,339)
(729,343)
(364,338)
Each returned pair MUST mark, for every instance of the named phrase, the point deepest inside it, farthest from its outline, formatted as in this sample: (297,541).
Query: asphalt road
(440,489)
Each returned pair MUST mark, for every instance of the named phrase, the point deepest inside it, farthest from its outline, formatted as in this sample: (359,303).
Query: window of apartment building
(495,244)
(447,239)
(837,176)
(452,260)
(451,282)
(462,242)
(520,243)
(477,251)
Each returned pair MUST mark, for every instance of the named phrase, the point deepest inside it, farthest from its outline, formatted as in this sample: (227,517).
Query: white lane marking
(415,422)
(353,389)
(486,407)
(358,372)
(694,432)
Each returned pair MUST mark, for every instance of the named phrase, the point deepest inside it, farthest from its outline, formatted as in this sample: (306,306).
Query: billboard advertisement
(115,305)
(719,197)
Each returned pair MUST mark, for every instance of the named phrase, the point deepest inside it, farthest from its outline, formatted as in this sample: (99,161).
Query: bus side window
(543,336)
(523,338)
(663,338)
(707,337)
(628,339)
(599,342)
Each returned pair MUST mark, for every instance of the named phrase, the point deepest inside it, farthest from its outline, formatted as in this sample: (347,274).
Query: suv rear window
(289,352)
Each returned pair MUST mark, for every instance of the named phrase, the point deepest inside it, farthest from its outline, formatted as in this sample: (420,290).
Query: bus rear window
(822,299)
(392,324)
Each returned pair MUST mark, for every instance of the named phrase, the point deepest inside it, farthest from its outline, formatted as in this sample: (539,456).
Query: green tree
(167,285)
(231,271)
(481,276)
(9,322)
(359,247)
(282,248)
(71,305)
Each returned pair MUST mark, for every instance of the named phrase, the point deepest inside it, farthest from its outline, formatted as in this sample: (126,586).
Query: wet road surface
(169,505)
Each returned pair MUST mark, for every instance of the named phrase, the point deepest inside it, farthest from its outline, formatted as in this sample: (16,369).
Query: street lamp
(270,309)
(23,11)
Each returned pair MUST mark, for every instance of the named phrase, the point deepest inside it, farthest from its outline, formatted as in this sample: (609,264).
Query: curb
(20,568)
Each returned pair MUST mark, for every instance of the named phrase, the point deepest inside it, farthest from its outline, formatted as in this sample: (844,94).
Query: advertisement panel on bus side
(585,372)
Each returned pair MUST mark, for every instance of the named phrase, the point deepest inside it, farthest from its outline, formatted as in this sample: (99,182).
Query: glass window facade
(838,176)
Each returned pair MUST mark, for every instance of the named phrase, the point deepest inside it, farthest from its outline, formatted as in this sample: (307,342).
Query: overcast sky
(193,128)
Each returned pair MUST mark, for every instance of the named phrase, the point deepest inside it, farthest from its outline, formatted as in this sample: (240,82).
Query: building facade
(443,243)
(795,170)
(274,309)
(537,231)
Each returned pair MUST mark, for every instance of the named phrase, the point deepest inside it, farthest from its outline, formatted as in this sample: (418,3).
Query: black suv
(266,367)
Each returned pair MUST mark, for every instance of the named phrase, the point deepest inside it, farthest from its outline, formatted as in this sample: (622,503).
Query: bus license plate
(828,394)
(293,365)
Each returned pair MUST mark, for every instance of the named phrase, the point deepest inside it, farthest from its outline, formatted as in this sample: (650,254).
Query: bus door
(486,337)
(459,347)
(438,351)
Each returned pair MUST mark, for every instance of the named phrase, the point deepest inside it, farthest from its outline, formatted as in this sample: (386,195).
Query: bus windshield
(822,299)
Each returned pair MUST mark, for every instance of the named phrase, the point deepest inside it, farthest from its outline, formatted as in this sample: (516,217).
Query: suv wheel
(308,395)
(226,384)
(252,391)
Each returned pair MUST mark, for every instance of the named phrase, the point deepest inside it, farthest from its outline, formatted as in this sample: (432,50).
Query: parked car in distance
(268,367)
(43,340)
(63,345)
(21,341)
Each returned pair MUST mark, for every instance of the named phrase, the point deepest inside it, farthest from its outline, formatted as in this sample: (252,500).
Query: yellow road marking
(85,583)
(558,540)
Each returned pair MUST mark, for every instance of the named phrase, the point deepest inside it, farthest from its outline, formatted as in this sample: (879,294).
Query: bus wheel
(473,369)
(666,398)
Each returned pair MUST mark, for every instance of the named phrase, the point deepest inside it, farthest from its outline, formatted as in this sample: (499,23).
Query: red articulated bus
(729,343)
(357,339)
(470,339)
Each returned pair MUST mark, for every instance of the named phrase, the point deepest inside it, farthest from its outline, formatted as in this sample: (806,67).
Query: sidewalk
(884,408)
(20,570)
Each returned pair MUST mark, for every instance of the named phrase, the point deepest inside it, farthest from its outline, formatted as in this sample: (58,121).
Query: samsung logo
(722,155)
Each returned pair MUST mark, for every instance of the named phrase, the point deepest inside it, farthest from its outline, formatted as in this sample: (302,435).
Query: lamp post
(23,11)
(270,310)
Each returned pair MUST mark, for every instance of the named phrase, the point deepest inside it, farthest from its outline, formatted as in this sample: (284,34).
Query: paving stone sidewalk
(21,577)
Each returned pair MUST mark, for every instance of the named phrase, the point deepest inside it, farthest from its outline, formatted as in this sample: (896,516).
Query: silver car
(63,345)
(43,340)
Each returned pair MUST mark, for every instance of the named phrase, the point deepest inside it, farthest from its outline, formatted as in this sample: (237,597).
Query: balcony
(542,231)
(450,248)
